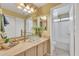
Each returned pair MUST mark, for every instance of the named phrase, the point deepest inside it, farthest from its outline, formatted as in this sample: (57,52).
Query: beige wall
(46,8)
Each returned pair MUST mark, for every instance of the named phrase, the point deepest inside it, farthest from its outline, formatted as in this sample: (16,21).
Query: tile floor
(60,52)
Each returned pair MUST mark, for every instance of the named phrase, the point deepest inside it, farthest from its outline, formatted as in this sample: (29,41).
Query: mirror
(15,27)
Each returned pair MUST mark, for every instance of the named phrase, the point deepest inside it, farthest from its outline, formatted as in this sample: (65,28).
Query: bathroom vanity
(29,48)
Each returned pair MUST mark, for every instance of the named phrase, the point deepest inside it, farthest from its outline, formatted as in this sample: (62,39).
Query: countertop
(21,47)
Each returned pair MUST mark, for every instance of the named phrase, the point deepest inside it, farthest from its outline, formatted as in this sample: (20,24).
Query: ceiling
(39,4)
(12,7)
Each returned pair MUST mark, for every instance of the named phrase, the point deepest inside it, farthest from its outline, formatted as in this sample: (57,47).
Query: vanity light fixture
(27,7)
(25,10)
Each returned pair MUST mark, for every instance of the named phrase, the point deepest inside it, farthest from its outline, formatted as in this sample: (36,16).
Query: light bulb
(32,9)
(43,17)
(22,4)
(29,11)
(19,7)
(27,7)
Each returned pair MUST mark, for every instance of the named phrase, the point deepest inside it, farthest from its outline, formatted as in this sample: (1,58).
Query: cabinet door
(31,52)
(45,48)
(21,54)
(27,53)
(40,49)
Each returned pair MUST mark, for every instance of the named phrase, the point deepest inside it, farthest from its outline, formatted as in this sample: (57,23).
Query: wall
(77,29)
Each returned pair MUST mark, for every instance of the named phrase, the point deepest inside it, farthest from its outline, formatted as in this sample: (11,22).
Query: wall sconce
(43,17)
(0,11)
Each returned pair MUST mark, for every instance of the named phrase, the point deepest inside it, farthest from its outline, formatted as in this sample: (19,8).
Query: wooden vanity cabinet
(41,49)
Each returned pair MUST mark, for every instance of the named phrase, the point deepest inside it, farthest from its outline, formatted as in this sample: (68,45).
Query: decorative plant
(38,30)
(7,40)
(4,36)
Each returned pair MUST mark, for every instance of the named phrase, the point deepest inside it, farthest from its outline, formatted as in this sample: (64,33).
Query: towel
(2,24)
(5,21)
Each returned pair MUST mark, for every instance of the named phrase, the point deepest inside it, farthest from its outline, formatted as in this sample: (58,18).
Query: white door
(63,30)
